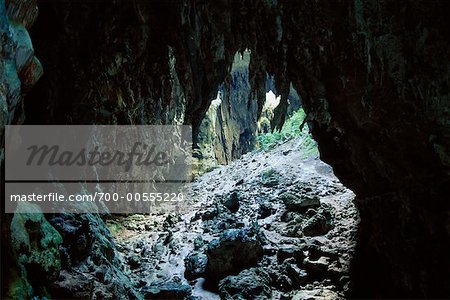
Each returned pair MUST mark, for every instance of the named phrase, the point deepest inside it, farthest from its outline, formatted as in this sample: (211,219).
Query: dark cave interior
(373,77)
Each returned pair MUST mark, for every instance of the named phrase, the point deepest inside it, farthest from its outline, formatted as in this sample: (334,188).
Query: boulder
(195,265)
(209,214)
(87,244)
(299,202)
(78,232)
(198,243)
(316,225)
(297,275)
(134,262)
(317,267)
(232,201)
(168,290)
(265,210)
(270,178)
(237,249)
(36,245)
(248,284)
(285,253)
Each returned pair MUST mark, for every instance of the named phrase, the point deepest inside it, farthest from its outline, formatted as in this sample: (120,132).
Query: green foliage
(114,227)
(291,129)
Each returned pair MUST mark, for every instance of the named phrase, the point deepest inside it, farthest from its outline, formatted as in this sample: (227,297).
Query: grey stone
(169,290)
(232,201)
(316,225)
(248,284)
(299,202)
(236,250)
(195,265)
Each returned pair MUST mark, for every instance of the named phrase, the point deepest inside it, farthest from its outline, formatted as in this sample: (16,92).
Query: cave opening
(265,85)
(279,216)
(250,175)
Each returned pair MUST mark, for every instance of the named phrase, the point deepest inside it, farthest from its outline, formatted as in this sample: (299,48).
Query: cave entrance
(269,218)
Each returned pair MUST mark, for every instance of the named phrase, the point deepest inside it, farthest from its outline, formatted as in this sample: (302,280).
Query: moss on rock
(35,244)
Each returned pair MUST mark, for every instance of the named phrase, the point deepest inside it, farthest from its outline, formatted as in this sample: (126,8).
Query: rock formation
(373,77)
(240,254)
(233,120)
(20,69)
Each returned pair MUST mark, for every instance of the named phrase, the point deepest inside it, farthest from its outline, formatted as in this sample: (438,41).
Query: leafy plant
(290,130)
(114,227)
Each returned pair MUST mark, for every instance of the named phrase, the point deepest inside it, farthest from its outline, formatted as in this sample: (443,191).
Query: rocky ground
(272,225)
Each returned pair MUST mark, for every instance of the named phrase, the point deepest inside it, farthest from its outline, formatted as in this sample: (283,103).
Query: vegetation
(290,130)
(114,227)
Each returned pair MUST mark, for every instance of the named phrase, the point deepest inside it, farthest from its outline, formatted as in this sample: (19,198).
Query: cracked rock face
(19,68)
(35,246)
(32,242)
(373,77)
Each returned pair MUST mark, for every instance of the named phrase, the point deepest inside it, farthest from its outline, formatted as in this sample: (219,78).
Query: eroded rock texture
(374,79)
(229,127)
(41,255)
(234,119)
(19,68)
(24,249)
(373,76)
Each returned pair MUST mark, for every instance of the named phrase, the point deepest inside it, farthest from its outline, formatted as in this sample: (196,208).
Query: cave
(372,78)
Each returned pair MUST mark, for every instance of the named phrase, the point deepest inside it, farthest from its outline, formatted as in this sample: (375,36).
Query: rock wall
(44,255)
(373,76)
(230,123)
(105,67)
(233,120)
(22,246)
(19,68)
(374,79)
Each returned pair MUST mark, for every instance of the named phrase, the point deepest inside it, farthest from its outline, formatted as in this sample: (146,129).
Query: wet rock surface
(170,290)
(35,246)
(91,266)
(263,250)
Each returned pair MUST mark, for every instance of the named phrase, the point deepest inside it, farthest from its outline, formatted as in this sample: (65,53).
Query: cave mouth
(373,79)
(274,222)
(269,218)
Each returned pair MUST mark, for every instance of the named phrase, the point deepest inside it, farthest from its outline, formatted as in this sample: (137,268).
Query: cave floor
(306,228)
